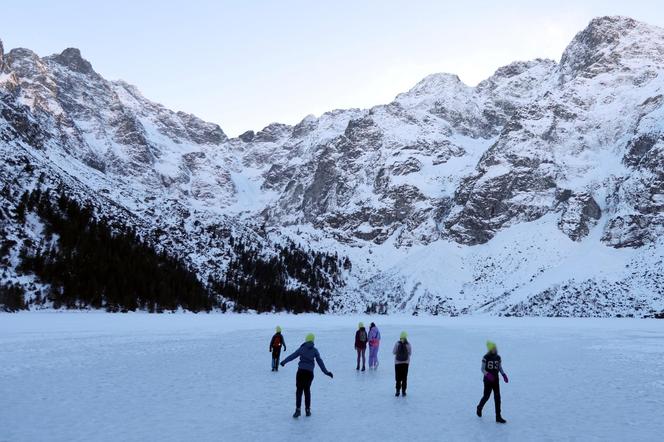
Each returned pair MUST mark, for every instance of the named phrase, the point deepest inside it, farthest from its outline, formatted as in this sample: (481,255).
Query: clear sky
(246,63)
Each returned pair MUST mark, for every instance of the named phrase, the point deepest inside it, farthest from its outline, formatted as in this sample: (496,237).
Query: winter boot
(403,393)
(364,368)
(297,413)
(397,393)
(358,367)
(307,412)
(500,420)
(479,411)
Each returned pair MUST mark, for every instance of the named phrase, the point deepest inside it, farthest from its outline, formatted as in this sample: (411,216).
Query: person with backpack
(374,343)
(491,367)
(402,351)
(305,373)
(276,343)
(361,339)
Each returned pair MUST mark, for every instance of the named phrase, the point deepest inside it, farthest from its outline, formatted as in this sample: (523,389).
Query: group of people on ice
(364,339)
(309,356)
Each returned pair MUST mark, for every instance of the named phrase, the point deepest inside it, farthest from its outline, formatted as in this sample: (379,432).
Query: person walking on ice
(402,351)
(309,356)
(361,339)
(491,367)
(374,343)
(276,343)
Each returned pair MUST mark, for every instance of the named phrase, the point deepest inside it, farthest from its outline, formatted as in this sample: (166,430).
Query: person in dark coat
(402,351)
(361,339)
(491,368)
(276,343)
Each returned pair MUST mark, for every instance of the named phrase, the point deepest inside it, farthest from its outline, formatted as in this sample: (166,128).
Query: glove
(506,379)
(283,364)
(489,377)
(329,373)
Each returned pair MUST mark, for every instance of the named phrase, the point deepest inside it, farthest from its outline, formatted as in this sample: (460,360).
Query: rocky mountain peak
(72,59)
(598,40)
(434,85)
(23,62)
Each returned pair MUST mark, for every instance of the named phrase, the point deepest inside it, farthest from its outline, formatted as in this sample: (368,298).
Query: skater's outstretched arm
(321,364)
(292,356)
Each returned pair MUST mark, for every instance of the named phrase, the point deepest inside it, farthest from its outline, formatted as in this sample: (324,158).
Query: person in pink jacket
(374,343)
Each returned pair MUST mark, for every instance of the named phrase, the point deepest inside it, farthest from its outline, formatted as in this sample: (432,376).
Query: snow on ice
(138,377)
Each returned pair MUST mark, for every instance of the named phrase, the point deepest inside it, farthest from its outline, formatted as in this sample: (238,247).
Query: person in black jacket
(276,343)
(491,368)
(361,339)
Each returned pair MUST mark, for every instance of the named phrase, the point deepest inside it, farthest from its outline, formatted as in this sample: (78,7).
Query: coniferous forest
(266,284)
(89,264)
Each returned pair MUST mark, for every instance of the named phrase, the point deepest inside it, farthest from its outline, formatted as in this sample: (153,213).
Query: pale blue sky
(244,64)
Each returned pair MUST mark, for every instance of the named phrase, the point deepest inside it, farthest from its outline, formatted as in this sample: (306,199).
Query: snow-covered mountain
(539,191)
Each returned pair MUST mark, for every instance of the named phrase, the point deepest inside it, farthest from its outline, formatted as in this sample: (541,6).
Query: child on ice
(305,373)
(361,339)
(491,367)
(374,343)
(276,343)
(402,351)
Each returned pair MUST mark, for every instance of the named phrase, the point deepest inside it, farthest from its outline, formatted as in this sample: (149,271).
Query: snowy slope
(540,191)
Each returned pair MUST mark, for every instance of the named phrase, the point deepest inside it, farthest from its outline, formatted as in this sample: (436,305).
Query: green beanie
(360,325)
(310,338)
(490,345)
(278,329)
(403,336)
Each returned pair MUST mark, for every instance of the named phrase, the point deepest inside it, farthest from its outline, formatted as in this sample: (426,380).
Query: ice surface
(79,376)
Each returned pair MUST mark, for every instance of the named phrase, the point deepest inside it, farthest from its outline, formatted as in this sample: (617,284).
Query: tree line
(88,264)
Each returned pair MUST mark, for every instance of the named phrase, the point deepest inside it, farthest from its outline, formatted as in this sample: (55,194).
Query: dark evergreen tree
(12,298)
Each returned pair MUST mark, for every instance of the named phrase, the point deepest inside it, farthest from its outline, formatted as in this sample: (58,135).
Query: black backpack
(402,352)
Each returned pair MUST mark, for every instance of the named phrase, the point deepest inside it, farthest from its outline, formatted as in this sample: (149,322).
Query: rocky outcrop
(579,214)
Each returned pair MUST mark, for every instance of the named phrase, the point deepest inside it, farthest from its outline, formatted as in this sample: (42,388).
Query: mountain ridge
(573,147)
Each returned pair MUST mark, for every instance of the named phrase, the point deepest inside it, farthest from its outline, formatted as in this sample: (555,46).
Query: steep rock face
(108,126)
(572,135)
(580,213)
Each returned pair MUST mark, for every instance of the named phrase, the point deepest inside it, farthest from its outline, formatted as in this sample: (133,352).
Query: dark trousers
(488,388)
(276,353)
(360,355)
(303,381)
(401,376)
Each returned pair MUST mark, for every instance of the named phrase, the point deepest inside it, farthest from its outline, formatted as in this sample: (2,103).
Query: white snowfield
(184,377)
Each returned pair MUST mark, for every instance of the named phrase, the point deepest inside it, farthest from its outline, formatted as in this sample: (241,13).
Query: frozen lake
(139,377)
